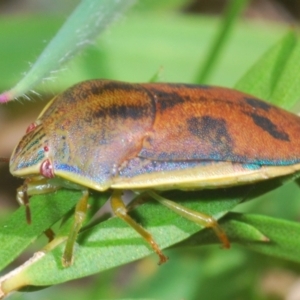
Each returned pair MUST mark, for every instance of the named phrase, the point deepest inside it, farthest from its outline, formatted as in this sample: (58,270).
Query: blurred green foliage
(155,38)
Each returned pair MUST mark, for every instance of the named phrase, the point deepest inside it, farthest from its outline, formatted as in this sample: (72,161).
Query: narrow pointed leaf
(267,235)
(262,79)
(87,21)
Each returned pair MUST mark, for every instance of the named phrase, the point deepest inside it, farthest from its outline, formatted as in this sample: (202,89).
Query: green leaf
(189,35)
(286,92)
(16,235)
(267,235)
(112,243)
(234,10)
(275,76)
(87,21)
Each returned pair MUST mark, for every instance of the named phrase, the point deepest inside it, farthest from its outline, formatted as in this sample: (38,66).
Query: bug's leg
(197,217)
(33,186)
(120,211)
(23,199)
(49,233)
(80,214)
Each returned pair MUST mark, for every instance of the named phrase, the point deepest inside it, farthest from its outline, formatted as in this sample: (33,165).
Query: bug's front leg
(121,211)
(33,186)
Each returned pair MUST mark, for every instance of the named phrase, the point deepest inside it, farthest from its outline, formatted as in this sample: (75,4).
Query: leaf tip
(5,97)
(265,239)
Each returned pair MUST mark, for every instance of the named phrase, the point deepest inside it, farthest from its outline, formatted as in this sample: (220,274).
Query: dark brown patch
(213,132)
(258,103)
(268,126)
(96,87)
(114,86)
(122,111)
(167,100)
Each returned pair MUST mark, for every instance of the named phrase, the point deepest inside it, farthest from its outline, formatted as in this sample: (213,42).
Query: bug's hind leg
(197,217)
(121,211)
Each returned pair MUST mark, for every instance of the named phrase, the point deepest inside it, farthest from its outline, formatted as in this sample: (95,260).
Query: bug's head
(31,156)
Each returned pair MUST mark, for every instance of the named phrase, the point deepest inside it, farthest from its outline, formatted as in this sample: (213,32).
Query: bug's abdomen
(219,124)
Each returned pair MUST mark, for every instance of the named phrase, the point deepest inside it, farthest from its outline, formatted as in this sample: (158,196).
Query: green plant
(109,243)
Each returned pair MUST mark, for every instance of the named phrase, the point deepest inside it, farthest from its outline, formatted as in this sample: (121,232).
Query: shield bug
(153,137)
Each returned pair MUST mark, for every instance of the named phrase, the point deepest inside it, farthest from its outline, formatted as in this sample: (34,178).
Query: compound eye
(46,169)
(31,127)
